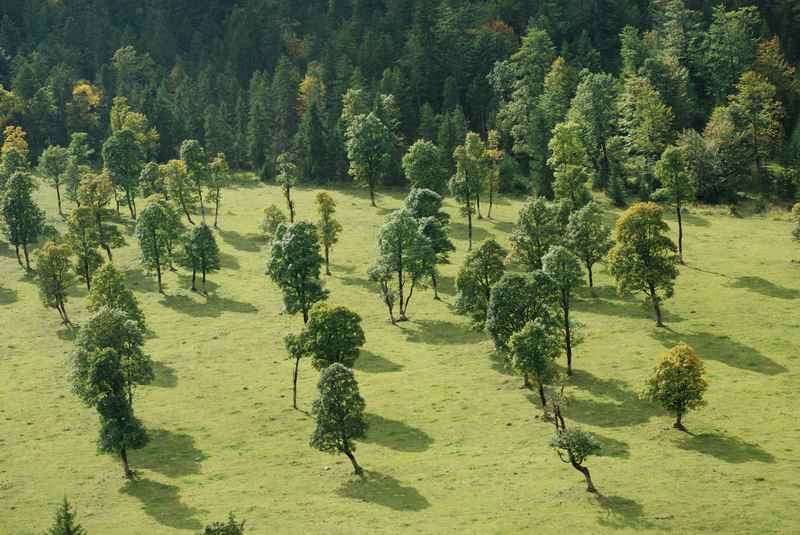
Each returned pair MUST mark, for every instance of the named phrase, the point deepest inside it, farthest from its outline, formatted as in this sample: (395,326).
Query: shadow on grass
(619,513)
(688,218)
(384,490)
(362,282)
(168,453)
(165,376)
(723,349)
(611,447)
(210,307)
(501,363)
(369,362)
(228,261)
(185,281)
(765,288)
(621,406)
(439,332)
(725,448)
(7,251)
(607,301)
(506,227)
(241,242)
(341,268)
(447,285)
(140,281)
(7,296)
(66,333)
(163,504)
(396,435)
(460,231)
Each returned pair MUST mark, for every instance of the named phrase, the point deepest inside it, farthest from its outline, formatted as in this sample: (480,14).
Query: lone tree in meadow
(533,351)
(424,167)
(407,253)
(273,218)
(24,221)
(294,265)
(538,228)
(152,231)
(333,334)
(677,185)
(565,270)
(339,414)
(54,277)
(230,527)
(287,178)
(198,176)
(678,382)
(110,291)
(574,446)
(94,193)
(200,253)
(83,243)
(481,270)
(464,186)
(295,345)
(644,259)
(329,227)
(220,177)
(369,147)
(52,166)
(425,206)
(589,237)
(65,521)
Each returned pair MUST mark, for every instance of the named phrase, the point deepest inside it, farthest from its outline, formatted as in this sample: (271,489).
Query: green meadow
(455,445)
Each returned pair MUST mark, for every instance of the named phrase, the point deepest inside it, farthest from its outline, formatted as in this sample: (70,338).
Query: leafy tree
(151,181)
(65,521)
(329,227)
(425,206)
(369,147)
(539,227)
(677,382)
(476,165)
(517,299)
(558,90)
(200,253)
(574,446)
(339,414)
(152,231)
(294,265)
(231,527)
(14,154)
(24,221)
(54,277)
(481,270)
(643,258)
(533,351)
(677,185)
(83,243)
(588,236)
(494,156)
(464,187)
(273,218)
(193,156)
(80,149)
(569,160)
(312,144)
(52,166)
(424,168)
(333,334)
(109,291)
(220,177)
(730,44)
(565,270)
(95,192)
(407,253)
(71,179)
(382,275)
(179,187)
(287,178)
(123,161)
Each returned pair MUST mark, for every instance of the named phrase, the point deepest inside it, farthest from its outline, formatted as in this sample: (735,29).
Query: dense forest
(616,80)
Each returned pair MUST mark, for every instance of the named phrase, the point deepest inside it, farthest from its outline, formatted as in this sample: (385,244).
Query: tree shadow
(765,288)
(212,307)
(165,376)
(621,407)
(168,453)
(622,307)
(447,285)
(7,296)
(501,364)
(687,217)
(384,490)
(439,332)
(228,261)
(139,280)
(726,448)
(369,362)
(396,435)
(460,231)
(241,242)
(619,513)
(185,281)
(7,251)
(67,333)
(245,181)
(611,447)
(341,268)
(362,282)
(723,349)
(506,227)
(163,504)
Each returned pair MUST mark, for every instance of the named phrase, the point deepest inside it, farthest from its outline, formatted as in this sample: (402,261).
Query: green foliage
(423,165)
(52,166)
(677,382)
(481,270)
(200,252)
(154,230)
(294,265)
(83,243)
(730,44)
(179,187)
(109,291)
(576,443)
(54,277)
(123,160)
(194,158)
(220,177)
(230,527)
(23,220)
(569,160)
(588,236)
(369,147)
(329,227)
(287,178)
(533,351)
(273,218)
(538,228)
(95,192)
(65,521)
(333,334)
(151,181)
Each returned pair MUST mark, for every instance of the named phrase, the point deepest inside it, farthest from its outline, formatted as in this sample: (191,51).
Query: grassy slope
(455,445)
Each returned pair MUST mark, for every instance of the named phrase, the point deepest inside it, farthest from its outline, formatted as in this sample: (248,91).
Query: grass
(455,445)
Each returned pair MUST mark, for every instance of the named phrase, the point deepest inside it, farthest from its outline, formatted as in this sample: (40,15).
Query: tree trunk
(64,314)
(567,333)
(202,206)
(435,285)
(327,260)
(131,209)
(679,422)
(86,275)
(158,263)
(585,471)
(204,279)
(116,200)
(19,258)
(478,204)
(680,233)
(294,382)
(305,315)
(356,468)
(58,196)
(372,193)
(591,277)
(194,279)
(469,225)
(542,398)
(526,380)
(491,201)
(656,306)
(123,454)
(27,258)
(102,235)
(216,209)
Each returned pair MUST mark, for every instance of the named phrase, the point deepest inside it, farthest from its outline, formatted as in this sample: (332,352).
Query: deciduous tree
(200,253)
(52,166)
(152,231)
(287,178)
(329,227)
(676,184)
(24,221)
(193,156)
(123,160)
(424,167)
(273,218)
(220,175)
(588,236)
(574,446)
(109,290)
(538,228)
(565,270)
(678,382)
(82,240)
(369,149)
(481,270)
(95,192)
(533,351)
(333,334)
(54,277)
(425,206)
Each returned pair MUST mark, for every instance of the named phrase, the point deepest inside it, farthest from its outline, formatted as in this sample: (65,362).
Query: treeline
(255,79)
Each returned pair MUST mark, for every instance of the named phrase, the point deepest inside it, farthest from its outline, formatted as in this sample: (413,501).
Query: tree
(123,160)
(425,206)
(65,522)
(296,348)
(151,181)
(369,148)
(333,334)
(677,382)
(200,253)
(593,110)
(179,188)
(220,177)
(287,178)
(273,218)
(382,275)
(494,156)
(533,351)
(464,188)
(643,258)
(193,156)
(329,227)
(574,446)
(54,277)
(83,243)
(570,163)
(24,221)
(538,228)
(730,48)
(588,236)
(294,265)
(517,299)
(424,168)
(407,253)
(95,192)
(52,166)
(109,291)
(677,185)
(231,527)
(339,414)
(565,270)
(481,270)
(152,231)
